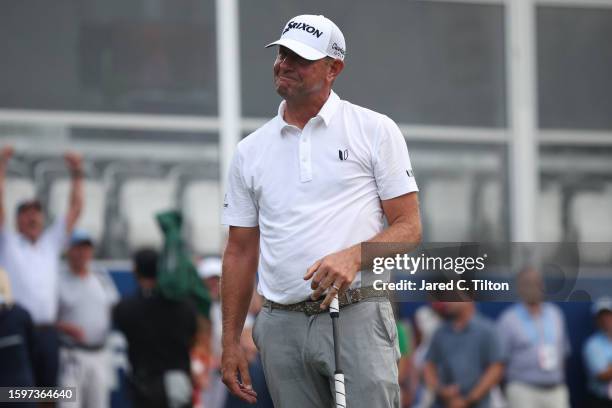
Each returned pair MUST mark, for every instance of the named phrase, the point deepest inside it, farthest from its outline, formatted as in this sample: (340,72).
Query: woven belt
(314,307)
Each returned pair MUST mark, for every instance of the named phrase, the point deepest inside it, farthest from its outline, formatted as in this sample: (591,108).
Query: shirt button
(303,140)
(304,159)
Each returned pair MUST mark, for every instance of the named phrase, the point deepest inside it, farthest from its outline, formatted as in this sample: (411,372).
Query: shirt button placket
(305,159)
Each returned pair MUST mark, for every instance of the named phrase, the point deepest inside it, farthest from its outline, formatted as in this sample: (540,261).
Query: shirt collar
(326,113)
(469,325)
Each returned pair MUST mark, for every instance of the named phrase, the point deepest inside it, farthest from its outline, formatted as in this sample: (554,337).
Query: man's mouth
(287,78)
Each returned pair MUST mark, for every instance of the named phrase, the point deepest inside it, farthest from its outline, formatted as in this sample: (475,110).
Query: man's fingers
(245,393)
(246,388)
(322,287)
(328,299)
(245,378)
(311,271)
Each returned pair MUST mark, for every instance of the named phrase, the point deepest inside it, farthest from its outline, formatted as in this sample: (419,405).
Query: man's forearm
(404,235)
(430,376)
(237,281)
(489,379)
(75,200)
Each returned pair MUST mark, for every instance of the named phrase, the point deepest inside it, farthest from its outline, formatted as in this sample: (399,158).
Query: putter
(334,312)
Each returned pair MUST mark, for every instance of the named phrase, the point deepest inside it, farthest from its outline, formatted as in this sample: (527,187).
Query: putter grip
(334,307)
(340,392)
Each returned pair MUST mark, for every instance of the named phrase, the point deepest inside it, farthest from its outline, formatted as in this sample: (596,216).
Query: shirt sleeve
(6,235)
(392,167)
(239,207)
(109,286)
(505,331)
(493,347)
(433,352)
(593,360)
(565,342)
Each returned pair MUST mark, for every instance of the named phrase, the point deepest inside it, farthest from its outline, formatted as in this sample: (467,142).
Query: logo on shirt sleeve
(343,154)
(225,203)
(410,173)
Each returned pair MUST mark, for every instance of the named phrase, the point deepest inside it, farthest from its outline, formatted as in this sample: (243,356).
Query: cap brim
(300,49)
(78,242)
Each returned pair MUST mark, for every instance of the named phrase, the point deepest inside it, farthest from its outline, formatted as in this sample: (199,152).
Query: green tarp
(177,277)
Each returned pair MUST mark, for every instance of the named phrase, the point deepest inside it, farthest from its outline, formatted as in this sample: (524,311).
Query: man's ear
(336,67)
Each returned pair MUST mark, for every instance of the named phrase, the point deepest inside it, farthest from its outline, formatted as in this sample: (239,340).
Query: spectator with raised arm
(31,257)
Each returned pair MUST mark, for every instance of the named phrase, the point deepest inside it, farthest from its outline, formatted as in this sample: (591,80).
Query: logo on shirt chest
(343,154)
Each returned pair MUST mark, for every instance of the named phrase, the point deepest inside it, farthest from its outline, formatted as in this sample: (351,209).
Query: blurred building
(505,105)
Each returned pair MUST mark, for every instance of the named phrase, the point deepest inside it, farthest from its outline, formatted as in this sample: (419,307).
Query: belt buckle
(356,296)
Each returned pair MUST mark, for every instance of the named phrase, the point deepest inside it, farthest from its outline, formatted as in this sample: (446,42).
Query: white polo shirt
(33,269)
(314,191)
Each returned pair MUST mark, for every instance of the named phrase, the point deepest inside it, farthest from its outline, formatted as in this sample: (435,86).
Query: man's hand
(74,162)
(234,361)
(72,330)
(457,402)
(248,345)
(334,273)
(449,392)
(5,154)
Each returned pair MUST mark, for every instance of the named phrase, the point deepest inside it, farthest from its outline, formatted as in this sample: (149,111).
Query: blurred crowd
(460,358)
(57,312)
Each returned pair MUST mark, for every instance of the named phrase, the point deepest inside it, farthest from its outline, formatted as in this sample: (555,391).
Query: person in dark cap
(598,356)
(31,257)
(86,298)
(159,334)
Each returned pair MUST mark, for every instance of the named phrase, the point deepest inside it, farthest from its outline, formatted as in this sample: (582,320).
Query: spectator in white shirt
(31,258)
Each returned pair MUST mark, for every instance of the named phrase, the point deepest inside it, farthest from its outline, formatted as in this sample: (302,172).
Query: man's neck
(32,240)
(462,320)
(299,111)
(534,309)
(147,284)
(81,272)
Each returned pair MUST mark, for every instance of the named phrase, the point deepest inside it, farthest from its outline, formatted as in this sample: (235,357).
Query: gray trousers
(298,356)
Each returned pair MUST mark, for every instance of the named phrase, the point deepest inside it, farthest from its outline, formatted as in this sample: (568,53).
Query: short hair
(145,262)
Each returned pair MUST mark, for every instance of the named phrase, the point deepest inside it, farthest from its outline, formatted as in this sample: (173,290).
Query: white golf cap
(603,304)
(209,267)
(313,37)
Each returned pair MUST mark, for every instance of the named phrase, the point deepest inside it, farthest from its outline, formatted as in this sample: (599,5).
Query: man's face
(604,321)
(531,286)
(296,77)
(30,222)
(79,256)
(452,309)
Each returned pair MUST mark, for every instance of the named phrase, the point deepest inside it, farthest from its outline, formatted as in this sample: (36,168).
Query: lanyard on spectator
(541,330)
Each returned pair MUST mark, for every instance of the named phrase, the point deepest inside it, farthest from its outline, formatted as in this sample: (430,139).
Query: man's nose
(285,62)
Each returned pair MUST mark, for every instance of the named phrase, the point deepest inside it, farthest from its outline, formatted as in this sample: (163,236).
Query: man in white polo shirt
(304,191)
(31,258)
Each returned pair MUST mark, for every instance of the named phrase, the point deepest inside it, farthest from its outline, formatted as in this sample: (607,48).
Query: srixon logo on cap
(294,25)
